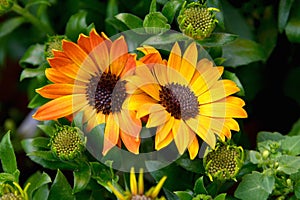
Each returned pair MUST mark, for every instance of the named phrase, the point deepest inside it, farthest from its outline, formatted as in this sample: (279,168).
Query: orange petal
(165,142)
(84,43)
(148,108)
(118,56)
(111,134)
(131,143)
(56,76)
(129,65)
(60,107)
(128,123)
(53,91)
(189,61)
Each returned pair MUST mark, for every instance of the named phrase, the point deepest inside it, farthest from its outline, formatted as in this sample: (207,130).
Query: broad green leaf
(166,38)
(60,188)
(295,129)
(36,181)
(82,177)
(242,52)
(41,193)
(199,187)
(37,2)
(288,164)
(171,8)
(170,195)
(111,11)
(10,25)
(254,156)
(291,145)
(76,25)
(292,28)
(264,136)
(195,165)
(48,129)
(220,197)
(130,20)
(33,72)
(255,186)
(34,55)
(219,15)
(117,24)
(39,142)
(155,23)
(232,76)
(184,195)
(283,13)
(102,174)
(78,119)
(218,39)
(7,155)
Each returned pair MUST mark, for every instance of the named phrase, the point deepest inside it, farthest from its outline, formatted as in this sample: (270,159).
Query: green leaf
(171,8)
(255,186)
(155,23)
(102,174)
(10,25)
(242,52)
(152,6)
(48,129)
(39,2)
(41,193)
(117,24)
(130,20)
(288,164)
(199,187)
(81,177)
(78,119)
(264,136)
(283,13)
(7,177)
(37,101)
(219,15)
(254,156)
(33,72)
(292,28)
(232,76)
(7,155)
(34,55)
(291,144)
(36,181)
(297,189)
(60,188)
(218,39)
(220,197)
(195,165)
(295,129)
(184,195)
(165,39)
(76,25)
(39,142)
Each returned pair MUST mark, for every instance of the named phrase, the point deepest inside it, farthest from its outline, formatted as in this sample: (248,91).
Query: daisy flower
(185,98)
(88,76)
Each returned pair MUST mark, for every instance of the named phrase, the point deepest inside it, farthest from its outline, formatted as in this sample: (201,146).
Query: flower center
(11,196)
(179,100)
(106,93)
(199,18)
(140,197)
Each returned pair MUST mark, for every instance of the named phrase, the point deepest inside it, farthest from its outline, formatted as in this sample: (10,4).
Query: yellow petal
(174,60)
(111,134)
(133,183)
(135,102)
(165,142)
(157,118)
(160,72)
(189,61)
(164,130)
(158,187)
(222,109)
(182,134)
(221,89)
(60,107)
(193,148)
(118,56)
(128,123)
(147,108)
(141,182)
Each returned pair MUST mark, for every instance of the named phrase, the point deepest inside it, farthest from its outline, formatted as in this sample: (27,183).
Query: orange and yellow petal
(118,56)
(131,143)
(53,91)
(193,148)
(182,135)
(111,134)
(223,109)
(189,62)
(174,60)
(56,76)
(163,131)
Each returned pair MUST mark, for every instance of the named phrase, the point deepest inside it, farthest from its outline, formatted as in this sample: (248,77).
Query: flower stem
(32,19)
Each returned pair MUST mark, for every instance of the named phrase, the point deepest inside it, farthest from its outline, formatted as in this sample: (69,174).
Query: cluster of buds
(13,191)
(53,43)
(68,142)
(5,6)
(223,162)
(197,20)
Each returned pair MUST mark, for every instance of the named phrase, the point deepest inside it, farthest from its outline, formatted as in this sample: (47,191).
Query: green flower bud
(13,191)
(265,154)
(68,142)
(53,43)
(5,6)
(197,20)
(223,162)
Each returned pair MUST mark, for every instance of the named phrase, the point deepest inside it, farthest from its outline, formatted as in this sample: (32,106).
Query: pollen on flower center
(179,100)
(106,93)
(140,197)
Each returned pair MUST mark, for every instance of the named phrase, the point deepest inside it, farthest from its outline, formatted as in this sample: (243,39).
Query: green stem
(31,18)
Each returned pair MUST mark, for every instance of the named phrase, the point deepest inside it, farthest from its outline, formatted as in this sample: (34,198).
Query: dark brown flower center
(179,101)
(106,93)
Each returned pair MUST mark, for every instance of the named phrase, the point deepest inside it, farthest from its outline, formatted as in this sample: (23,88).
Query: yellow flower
(89,77)
(136,191)
(185,98)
